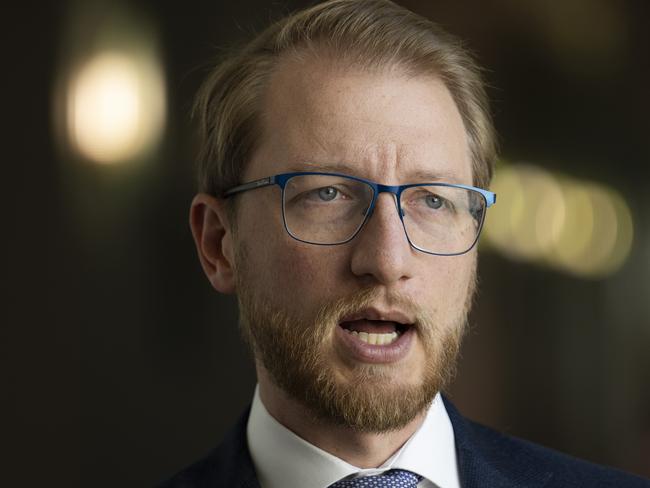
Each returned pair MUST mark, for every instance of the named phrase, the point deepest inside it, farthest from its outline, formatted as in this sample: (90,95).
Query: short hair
(372,34)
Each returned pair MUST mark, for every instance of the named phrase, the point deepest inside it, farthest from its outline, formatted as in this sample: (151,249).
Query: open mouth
(375,332)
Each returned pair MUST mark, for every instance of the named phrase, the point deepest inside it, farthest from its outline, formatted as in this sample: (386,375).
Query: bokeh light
(579,227)
(115,107)
(110,97)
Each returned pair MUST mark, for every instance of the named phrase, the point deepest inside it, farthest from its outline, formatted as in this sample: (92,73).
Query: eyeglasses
(328,209)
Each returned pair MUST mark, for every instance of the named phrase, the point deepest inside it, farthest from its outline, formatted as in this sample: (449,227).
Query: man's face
(300,302)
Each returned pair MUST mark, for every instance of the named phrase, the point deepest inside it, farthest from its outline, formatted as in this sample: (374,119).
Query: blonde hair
(370,34)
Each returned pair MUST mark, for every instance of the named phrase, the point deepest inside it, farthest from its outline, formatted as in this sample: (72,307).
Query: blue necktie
(395,478)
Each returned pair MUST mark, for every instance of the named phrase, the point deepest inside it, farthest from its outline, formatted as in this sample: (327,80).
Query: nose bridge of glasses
(394,191)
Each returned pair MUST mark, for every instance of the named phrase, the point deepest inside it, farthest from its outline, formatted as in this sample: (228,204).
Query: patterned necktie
(395,478)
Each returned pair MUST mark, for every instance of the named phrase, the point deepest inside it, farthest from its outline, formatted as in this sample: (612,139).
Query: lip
(375,314)
(369,353)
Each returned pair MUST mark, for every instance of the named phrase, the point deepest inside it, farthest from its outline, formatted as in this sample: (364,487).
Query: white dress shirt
(282,459)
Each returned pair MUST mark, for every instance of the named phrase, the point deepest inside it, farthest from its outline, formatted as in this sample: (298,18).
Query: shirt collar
(281,458)
(431,451)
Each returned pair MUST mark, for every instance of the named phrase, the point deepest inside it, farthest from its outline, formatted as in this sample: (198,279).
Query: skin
(382,126)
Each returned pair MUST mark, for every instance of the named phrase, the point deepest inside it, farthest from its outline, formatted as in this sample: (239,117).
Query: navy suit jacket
(486,458)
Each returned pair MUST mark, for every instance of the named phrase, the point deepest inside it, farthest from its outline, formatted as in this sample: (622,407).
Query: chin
(386,375)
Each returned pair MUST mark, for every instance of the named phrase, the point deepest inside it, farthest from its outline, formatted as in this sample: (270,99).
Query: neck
(360,449)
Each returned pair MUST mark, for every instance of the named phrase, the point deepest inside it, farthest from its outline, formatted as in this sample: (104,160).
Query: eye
(327,193)
(433,201)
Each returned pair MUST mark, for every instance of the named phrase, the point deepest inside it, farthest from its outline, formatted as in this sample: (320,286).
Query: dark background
(120,364)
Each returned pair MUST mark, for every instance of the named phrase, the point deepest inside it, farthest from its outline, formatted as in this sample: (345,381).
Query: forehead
(382,125)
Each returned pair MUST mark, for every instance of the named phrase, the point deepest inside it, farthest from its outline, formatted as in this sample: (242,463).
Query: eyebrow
(346,168)
(435,176)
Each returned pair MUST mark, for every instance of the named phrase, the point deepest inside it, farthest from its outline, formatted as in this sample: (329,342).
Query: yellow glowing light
(115,107)
(551,216)
(576,233)
(611,236)
(625,235)
(542,213)
(498,226)
(579,227)
(530,212)
(604,236)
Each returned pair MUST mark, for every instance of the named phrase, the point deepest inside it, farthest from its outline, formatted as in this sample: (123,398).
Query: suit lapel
(239,471)
(486,458)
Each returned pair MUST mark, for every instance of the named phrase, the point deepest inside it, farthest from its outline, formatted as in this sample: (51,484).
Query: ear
(209,221)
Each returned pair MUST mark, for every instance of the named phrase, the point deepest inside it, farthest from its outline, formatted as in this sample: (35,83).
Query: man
(346,154)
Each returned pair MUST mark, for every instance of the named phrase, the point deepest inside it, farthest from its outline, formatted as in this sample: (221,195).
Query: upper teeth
(375,339)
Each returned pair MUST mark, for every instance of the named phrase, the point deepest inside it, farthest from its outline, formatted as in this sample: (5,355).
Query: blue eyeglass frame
(281,180)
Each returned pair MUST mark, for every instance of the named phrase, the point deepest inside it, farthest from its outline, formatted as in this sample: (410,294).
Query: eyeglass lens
(328,209)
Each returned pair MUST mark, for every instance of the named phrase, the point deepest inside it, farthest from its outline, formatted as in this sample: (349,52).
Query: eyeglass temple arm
(251,185)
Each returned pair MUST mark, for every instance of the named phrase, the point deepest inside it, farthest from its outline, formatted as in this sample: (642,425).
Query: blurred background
(120,364)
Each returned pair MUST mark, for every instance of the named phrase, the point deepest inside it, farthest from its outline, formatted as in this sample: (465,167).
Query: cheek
(449,281)
(288,272)
(307,273)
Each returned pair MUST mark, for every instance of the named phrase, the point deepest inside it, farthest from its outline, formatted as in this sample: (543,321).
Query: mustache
(372,297)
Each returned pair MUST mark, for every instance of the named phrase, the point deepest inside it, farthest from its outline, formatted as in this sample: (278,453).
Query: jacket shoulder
(509,454)
(228,465)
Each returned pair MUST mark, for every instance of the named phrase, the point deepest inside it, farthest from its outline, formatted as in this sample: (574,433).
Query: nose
(381,252)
